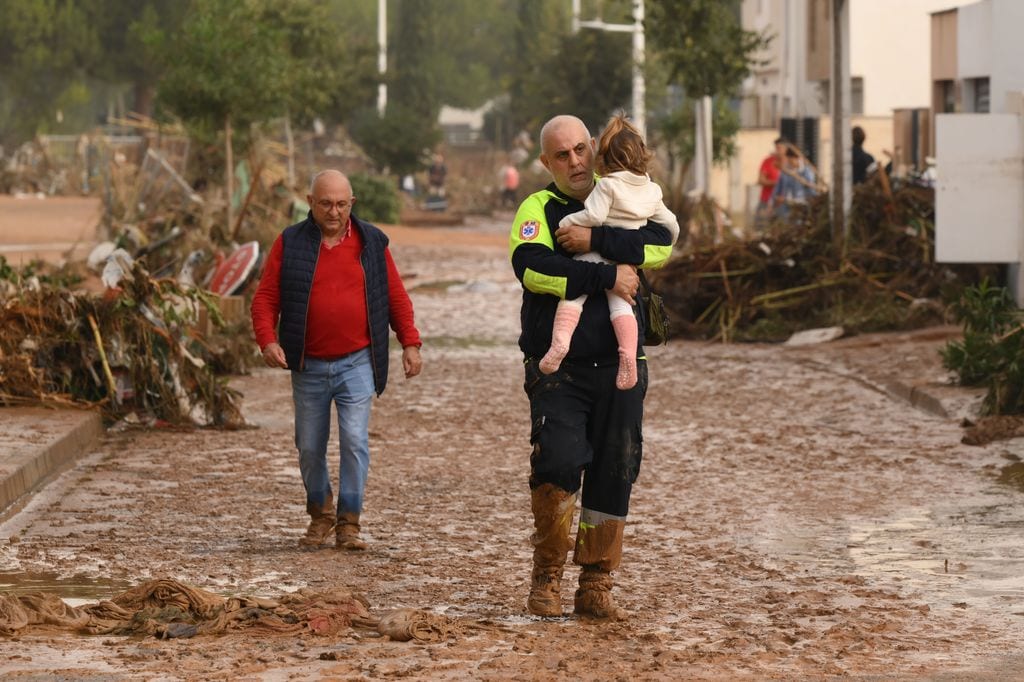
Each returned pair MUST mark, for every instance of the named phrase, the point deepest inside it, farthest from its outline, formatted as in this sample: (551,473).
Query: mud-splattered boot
(594,596)
(347,532)
(320,526)
(553,509)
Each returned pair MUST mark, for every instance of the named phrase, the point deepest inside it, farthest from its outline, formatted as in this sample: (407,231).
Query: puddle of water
(958,552)
(971,555)
(77,588)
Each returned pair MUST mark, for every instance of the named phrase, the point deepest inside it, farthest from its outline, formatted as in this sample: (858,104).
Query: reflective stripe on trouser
(599,540)
(584,430)
(348,383)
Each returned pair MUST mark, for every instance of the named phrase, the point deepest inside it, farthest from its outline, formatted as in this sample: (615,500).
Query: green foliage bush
(992,351)
(376,198)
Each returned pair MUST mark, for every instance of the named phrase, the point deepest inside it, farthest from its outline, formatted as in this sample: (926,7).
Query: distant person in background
(767,177)
(509,184)
(409,184)
(796,184)
(436,175)
(862,161)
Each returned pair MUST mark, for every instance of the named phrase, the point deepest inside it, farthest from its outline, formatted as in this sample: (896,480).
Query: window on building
(981,95)
(946,99)
(857,96)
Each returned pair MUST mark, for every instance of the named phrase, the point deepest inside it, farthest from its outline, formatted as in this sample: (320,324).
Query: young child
(624,197)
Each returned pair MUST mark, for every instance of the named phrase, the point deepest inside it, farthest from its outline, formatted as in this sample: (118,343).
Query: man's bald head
(329,177)
(558,124)
(567,151)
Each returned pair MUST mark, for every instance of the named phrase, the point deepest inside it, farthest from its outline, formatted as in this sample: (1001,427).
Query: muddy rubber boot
(553,510)
(566,319)
(594,596)
(320,525)
(347,533)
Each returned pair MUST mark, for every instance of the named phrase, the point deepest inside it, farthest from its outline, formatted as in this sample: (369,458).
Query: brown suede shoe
(347,533)
(319,530)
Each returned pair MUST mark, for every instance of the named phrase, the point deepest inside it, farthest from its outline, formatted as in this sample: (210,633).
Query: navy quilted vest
(301,244)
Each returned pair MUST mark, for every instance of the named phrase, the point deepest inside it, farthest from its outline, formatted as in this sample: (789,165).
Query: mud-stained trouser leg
(607,486)
(581,422)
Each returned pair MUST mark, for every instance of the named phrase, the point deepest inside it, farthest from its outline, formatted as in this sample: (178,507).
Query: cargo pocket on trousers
(635,453)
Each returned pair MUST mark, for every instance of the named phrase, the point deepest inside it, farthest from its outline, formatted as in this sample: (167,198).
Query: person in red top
(328,295)
(767,177)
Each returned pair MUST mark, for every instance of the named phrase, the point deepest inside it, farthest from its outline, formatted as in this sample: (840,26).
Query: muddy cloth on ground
(166,608)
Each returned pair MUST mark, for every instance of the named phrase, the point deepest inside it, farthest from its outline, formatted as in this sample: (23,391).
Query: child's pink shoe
(626,378)
(552,360)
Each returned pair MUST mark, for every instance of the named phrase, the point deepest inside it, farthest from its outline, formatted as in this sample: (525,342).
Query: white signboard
(979,196)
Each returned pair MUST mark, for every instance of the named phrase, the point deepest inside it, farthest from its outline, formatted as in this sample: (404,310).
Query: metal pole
(840,88)
(703,149)
(639,48)
(639,86)
(382,55)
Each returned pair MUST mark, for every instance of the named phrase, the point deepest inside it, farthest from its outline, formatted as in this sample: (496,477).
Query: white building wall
(890,48)
(781,84)
(1007,52)
(974,40)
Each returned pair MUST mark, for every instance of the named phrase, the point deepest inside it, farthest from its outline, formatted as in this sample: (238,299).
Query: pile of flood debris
(168,609)
(148,325)
(134,351)
(797,275)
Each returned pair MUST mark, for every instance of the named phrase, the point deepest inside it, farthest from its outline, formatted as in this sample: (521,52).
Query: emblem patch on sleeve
(529,230)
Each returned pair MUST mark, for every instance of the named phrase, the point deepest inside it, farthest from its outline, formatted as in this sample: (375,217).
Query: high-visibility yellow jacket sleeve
(542,267)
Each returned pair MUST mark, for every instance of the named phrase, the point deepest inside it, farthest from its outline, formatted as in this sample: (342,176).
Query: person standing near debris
(328,293)
(796,184)
(768,176)
(509,177)
(436,175)
(584,430)
(625,197)
(860,161)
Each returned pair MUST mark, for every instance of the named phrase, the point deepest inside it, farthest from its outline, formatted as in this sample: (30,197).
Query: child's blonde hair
(622,147)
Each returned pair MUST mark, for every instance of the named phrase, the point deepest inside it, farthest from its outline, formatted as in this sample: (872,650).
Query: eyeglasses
(326,206)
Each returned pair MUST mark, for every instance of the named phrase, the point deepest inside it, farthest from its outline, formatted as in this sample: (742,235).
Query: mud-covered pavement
(790,521)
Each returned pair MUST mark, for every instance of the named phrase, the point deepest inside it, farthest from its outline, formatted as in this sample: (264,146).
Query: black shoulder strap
(643,281)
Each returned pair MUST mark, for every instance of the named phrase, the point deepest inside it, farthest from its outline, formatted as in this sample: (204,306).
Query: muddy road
(791,520)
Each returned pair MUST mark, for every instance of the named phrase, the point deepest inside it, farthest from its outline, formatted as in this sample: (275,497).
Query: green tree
(702,44)
(43,47)
(698,48)
(588,74)
(230,67)
(130,35)
(237,63)
(541,26)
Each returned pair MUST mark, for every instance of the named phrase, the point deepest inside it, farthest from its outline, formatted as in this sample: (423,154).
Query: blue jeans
(348,383)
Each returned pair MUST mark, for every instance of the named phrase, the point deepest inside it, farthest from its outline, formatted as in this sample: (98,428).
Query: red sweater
(336,323)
